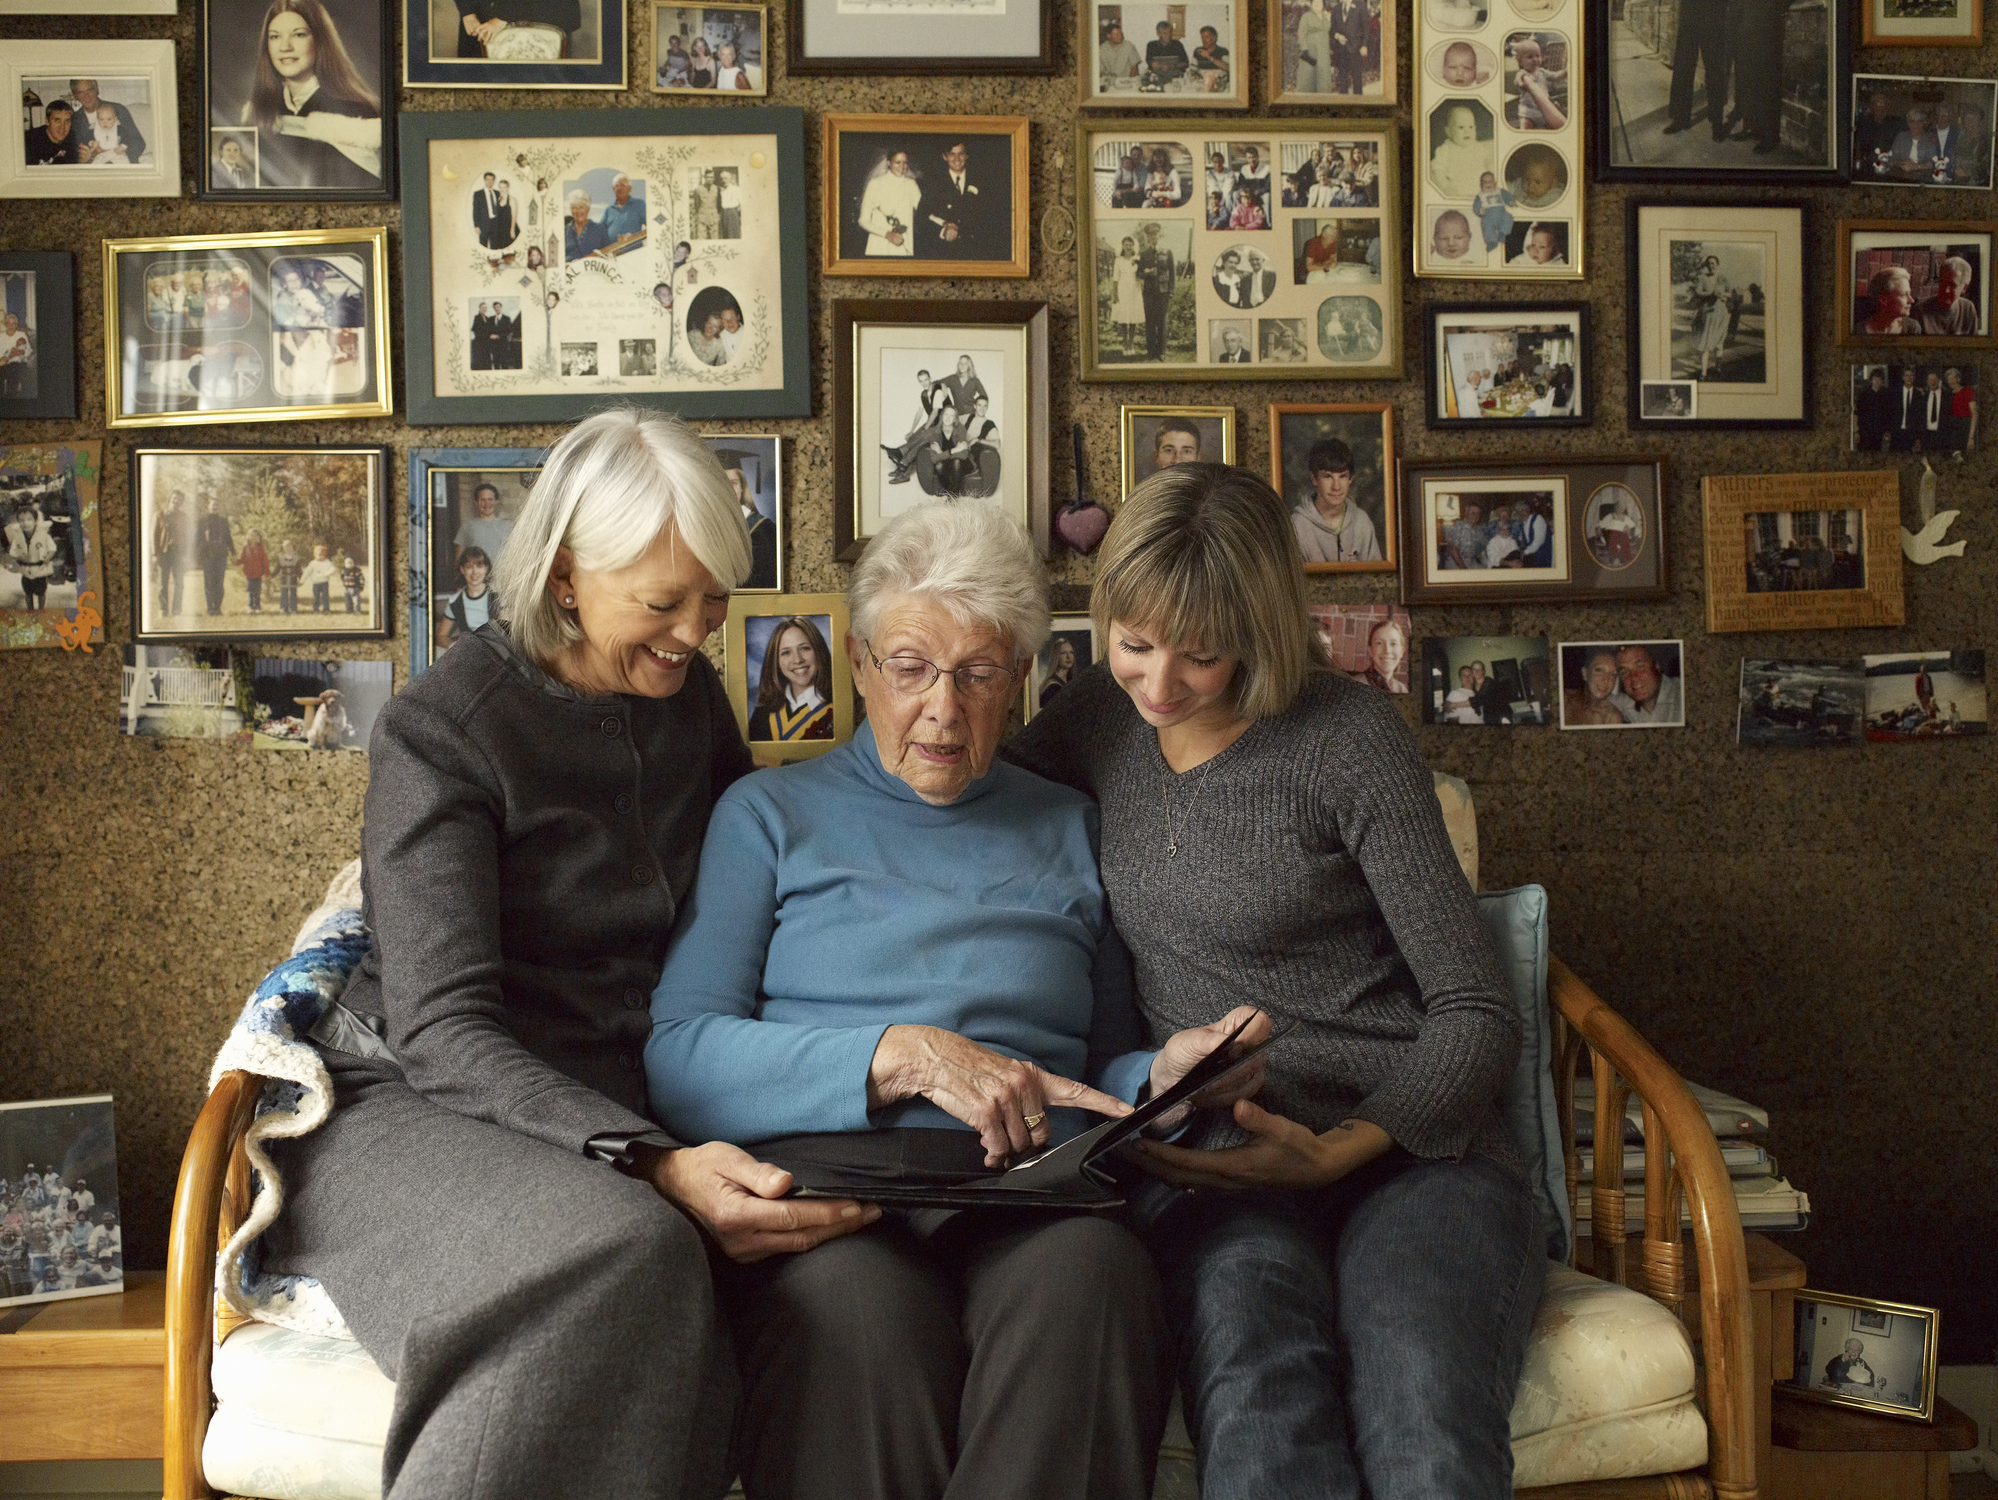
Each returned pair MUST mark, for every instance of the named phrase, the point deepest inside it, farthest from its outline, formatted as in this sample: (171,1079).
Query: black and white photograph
(1333,464)
(1463,162)
(61,1229)
(1526,363)
(1332,52)
(297,704)
(1280,341)
(293,98)
(1069,652)
(181,692)
(1350,330)
(1157,437)
(1800,705)
(1916,282)
(518,44)
(1922,132)
(1329,174)
(92,118)
(753,463)
(37,334)
(51,560)
(1325,251)
(1231,341)
(926,195)
(637,357)
(1925,695)
(710,49)
(786,671)
(1185,56)
(1145,292)
(1482,524)
(1879,1357)
(1922,23)
(1244,275)
(1366,641)
(1916,408)
(1669,400)
(1486,680)
(1623,685)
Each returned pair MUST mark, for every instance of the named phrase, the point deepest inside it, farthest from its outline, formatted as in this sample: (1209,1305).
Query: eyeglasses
(912,676)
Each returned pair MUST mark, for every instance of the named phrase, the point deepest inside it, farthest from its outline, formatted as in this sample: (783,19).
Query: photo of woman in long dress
(1314,50)
(794,690)
(1710,311)
(1128,310)
(318,122)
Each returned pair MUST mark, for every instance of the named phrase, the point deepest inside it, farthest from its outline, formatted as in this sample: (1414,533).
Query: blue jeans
(1364,1339)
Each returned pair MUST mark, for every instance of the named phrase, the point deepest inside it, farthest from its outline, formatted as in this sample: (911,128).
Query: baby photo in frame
(1922,23)
(787,673)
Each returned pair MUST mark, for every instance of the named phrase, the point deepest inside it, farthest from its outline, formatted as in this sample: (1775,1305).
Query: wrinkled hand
(471,24)
(994,1094)
(1185,1048)
(1283,1154)
(490,30)
(739,1200)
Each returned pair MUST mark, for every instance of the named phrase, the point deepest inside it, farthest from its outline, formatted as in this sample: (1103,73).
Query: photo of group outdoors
(1800,704)
(296,704)
(106,124)
(916,195)
(470,515)
(1923,132)
(1484,680)
(1877,1356)
(61,1231)
(1334,466)
(1070,650)
(709,49)
(1332,51)
(1623,685)
(1720,320)
(1189,55)
(1925,695)
(1366,641)
(1517,364)
(51,560)
(1918,282)
(1915,408)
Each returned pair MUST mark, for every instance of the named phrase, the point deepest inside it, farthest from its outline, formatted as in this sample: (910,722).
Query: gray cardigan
(523,857)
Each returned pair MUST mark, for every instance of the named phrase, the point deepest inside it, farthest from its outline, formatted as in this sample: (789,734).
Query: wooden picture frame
(1472,343)
(1532,225)
(1747,591)
(1765,354)
(875,343)
(293,323)
(1079,633)
(1150,438)
(590,56)
(1878,29)
(744,645)
(747,32)
(627,309)
(1365,430)
(1830,1318)
(1606,541)
(137,78)
(38,288)
(49,509)
(823,38)
(342,160)
(1318,288)
(757,459)
(444,485)
(189,583)
(1115,76)
(1959,163)
(1285,32)
(949,233)
(1922,248)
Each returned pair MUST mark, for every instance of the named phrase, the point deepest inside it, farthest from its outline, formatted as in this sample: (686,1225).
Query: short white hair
(1958,264)
(621,177)
(968,556)
(581,196)
(605,492)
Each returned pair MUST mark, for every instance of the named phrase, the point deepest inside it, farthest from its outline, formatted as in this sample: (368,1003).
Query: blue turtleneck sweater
(833,902)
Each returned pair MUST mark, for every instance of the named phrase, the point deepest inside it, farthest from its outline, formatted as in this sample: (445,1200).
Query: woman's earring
(568,601)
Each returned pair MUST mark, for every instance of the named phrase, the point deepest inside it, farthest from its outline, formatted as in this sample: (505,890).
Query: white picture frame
(89,8)
(147,63)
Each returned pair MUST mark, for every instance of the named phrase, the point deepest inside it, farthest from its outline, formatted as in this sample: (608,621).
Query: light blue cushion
(1517,920)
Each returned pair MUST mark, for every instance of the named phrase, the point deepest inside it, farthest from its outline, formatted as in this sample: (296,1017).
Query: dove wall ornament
(1927,545)
(1802,551)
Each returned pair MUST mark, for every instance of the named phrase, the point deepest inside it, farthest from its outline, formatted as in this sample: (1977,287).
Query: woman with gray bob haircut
(898,962)
(489,1206)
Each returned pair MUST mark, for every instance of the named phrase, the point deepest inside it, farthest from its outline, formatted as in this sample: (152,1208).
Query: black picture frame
(247,15)
(53,339)
(609,71)
(1607,121)
(1583,403)
(978,57)
(425,407)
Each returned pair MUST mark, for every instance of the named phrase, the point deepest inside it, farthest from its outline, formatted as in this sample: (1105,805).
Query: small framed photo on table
(1527,365)
(1870,1355)
(112,134)
(1922,23)
(1802,551)
(710,49)
(1623,685)
(462,506)
(37,334)
(513,44)
(787,673)
(1157,437)
(1165,56)
(917,38)
(1333,464)
(1069,652)
(52,585)
(1915,282)
(61,1151)
(925,195)
(1332,53)
(1922,132)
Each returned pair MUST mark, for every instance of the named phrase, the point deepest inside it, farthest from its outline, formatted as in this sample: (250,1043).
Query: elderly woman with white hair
(899,961)
(582,236)
(501,1225)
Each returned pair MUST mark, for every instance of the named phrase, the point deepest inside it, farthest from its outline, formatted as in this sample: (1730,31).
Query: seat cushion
(298,1417)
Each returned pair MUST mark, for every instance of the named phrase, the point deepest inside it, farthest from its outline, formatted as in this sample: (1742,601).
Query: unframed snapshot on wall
(711,49)
(1623,685)
(787,674)
(1925,695)
(925,195)
(1334,465)
(1367,641)
(1922,406)
(316,705)
(182,693)
(1157,437)
(1486,680)
(61,1231)
(1800,705)
(51,560)
(37,335)
(462,506)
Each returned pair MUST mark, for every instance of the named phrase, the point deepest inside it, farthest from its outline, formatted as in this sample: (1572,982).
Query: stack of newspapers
(1766,1200)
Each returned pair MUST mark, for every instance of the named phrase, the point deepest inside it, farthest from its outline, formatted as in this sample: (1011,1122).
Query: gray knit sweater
(1315,879)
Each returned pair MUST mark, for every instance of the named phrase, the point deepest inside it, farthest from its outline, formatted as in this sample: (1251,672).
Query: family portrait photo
(1334,466)
(1787,704)
(1613,527)
(753,463)
(61,1231)
(1669,400)
(1332,51)
(1923,132)
(1497,523)
(51,560)
(1366,641)
(1623,685)
(915,195)
(106,124)
(1923,283)
(1329,174)
(786,671)
(1871,1355)
(710,49)
(1486,680)
(471,514)
(1518,364)
(1188,55)
(297,704)
(1157,437)
(93,117)
(1915,408)
(1925,695)
(1070,650)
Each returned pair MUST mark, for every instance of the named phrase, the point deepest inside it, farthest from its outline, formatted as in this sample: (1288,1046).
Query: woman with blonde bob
(489,1207)
(1352,1304)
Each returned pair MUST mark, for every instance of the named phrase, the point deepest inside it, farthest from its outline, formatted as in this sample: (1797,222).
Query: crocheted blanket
(269,1039)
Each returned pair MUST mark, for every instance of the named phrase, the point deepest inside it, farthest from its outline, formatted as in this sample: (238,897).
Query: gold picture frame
(859,153)
(1877,29)
(1827,1321)
(225,319)
(1285,64)
(1760,587)
(1212,430)
(787,732)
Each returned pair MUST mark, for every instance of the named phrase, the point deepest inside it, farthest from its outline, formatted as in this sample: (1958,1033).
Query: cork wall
(1814,931)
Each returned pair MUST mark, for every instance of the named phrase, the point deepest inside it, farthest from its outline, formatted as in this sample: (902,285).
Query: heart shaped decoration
(1081,523)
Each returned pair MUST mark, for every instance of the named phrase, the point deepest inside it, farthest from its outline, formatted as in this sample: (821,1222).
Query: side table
(85,1378)
(1827,1452)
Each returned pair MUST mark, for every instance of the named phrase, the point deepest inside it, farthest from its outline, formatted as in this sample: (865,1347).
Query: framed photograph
(513,44)
(1705,92)
(1922,23)
(1785,704)
(113,135)
(259,543)
(51,559)
(273,327)
(1333,463)
(1499,98)
(1332,53)
(1156,437)
(1071,650)
(296,704)
(90,8)
(709,49)
(1860,1352)
(1299,278)
(1915,282)
(1623,685)
(68,1240)
(1166,56)
(754,463)
(1512,530)
(944,399)
(1486,680)
(1922,132)
(1925,407)
(925,195)
(1367,641)
(1717,297)
(462,505)
(1802,551)
(787,674)
(337,143)
(1526,364)
(1925,695)
(37,335)
(917,38)
(555,261)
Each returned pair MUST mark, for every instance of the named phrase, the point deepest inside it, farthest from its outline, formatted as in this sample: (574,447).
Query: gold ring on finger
(1030,1121)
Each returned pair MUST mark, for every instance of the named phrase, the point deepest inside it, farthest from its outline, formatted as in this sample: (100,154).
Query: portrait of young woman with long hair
(318,122)
(794,690)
